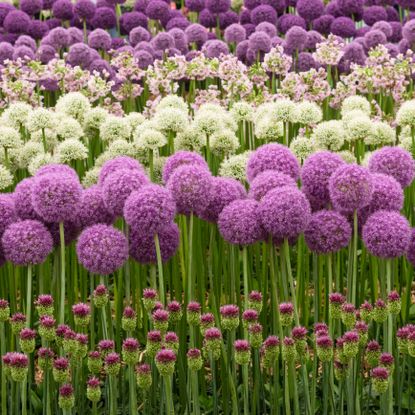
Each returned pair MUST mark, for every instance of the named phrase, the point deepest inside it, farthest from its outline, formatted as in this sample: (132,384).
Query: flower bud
(129,319)
(207,321)
(380,379)
(213,343)
(4,310)
(255,301)
(289,352)
(269,351)
(82,314)
(70,343)
(112,364)
(17,322)
(47,327)
(150,296)
(60,370)
(229,317)
(45,356)
(366,310)
(255,335)
(362,329)
(165,361)
(161,320)
(286,314)
(320,329)
(380,311)
(100,296)
(154,340)
(336,300)
(340,370)
(348,315)
(324,347)
(44,305)
(351,344)
(194,359)
(19,364)
(175,311)
(143,376)
(27,340)
(394,303)
(171,341)
(105,347)
(299,334)
(373,353)
(388,361)
(93,389)
(242,351)
(60,334)
(66,398)
(94,362)
(130,351)
(82,349)
(193,313)
(249,316)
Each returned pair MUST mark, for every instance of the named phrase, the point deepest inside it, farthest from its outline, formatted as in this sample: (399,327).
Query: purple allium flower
(250,316)
(157,10)
(271,341)
(102,249)
(310,9)
(373,14)
(195,5)
(295,39)
(284,212)
(196,33)
(324,341)
(142,246)
(313,38)
(287,21)
(93,382)
(350,187)
(343,27)
(7,211)
(215,48)
(259,42)
(23,52)
(166,356)
(24,40)
(81,309)
(19,360)
(263,13)
(99,39)
(224,191)
(361,327)
(384,27)
(268,180)
(85,9)
(31,7)
(207,19)
(47,321)
(386,234)
(269,29)
(160,315)
(227,18)
(80,55)
(394,161)
(130,344)
(45,353)
(241,345)
(235,33)
(61,363)
(351,8)
(239,222)
(62,9)
(144,58)
(320,329)
(105,346)
(118,186)
(118,163)
(5,8)
(92,209)
(130,20)
(299,333)
(104,18)
(45,53)
(149,209)
(350,337)
(374,38)
(323,23)
(218,6)
(137,35)
(327,231)
(162,41)
(213,333)
(27,334)
(408,31)
(229,310)
(305,62)
(336,298)
(56,197)
(6,51)
(380,373)
(191,187)
(181,158)
(16,21)
(27,242)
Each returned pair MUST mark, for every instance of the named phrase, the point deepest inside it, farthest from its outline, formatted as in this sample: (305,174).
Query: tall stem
(389,341)
(23,386)
(29,296)
(169,396)
(245,272)
(63,282)
(133,395)
(190,260)
(160,269)
(291,280)
(246,389)
(3,377)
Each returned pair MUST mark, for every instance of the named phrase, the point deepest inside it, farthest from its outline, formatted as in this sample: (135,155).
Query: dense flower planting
(207,207)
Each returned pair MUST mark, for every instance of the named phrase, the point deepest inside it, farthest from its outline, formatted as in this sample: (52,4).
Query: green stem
(133,395)
(3,377)
(389,342)
(160,269)
(291,280)
(29,296)
(246,389)
(63,282)
(190,260)
(169,396)
(23,386)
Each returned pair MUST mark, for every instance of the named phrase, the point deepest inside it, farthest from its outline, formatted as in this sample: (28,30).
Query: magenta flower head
(149,209)
(85,9)
(7,211)
(23,199)
(45,356)
(387,360)
(286,313)
(118,163)
(365,311)
(380,379)
(270,350)
(206,321)
(387,234)
(4,310)
(27,340)
(350,187)
(102,249)
(17,322)
(142,246)
(224,191)
(395,162)
(343,26)
(284,212)
(242,352)
(112,364)
(27,243)
(194,359)
(348,315)
(161,320)
(310,9)
(218,6)
(143,376)
(82,314)
(350,344)
(213,342)
(273,157)
(191,187)
(289,351)
(193,313)
(239,222)
(268,180)
(100,296)
(255,301)
(62,9)
(93,389)
(56,197)
(130,351)
(129,319)
(324,346)
(18,363)
(320,329)
(16,21)
(118,186)
(154,340)
(92,209)
(61,369)
(165,361)
(394,302)
(336,301)
(327,231)
(229,316)
(315,175)
(150,296)
(171,340)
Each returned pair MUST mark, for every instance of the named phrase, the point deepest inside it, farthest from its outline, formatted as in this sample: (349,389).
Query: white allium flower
(6,178)
(93,119)
(347,156)
(121,148)
(263,110)
(242,111)
(9,138)
(70,149)
(355,102)
(51,137)
(191,139)
(91,177)
(74,104)
(269,129)
(27,152)
(39,161)
(16,114)
(406,114)
(383,134)
(283,110)
(208,122)
(359,128)
(150,139)
(173,101)
(329,135)
(235,166)
(171,119)
(69,128)
(302,147)
(223,143)
(348,116)
(134,119)
(114,128)
(405,139)
(308,113)
(210,106)
(229,122)
(40,118)
(102,158)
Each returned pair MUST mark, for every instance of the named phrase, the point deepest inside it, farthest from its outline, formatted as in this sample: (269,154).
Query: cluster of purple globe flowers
(85,32)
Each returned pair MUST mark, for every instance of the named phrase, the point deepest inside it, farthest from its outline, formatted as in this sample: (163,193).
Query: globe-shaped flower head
(328,231)
(315,175)
(191,187)
(118,186)
(143,249)
(350,187)
(387,234)
(410,254)
(284,212)
(149,209)
(102,249)
(181,158)
(268,180)
(27,242)
(7,211)
(23,199)
(395,162)
(239,222)
(56,197)
(273,157)
(118,163)
(224,191)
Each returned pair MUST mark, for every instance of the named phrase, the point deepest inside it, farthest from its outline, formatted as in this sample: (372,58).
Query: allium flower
(6,178)
(112,364)
(16,21)
(27,340)
(165,361)
(47,327)
(161,320)
(193,313)
(386,234)
(179,159)
(207,321)
(102,249)
(194,359)
(17,322)
(380,379)
(350,187)
(74,104)
(175,311)
(273,157)
(19,366)
(303,147)
(56,197)
(82,314)
(242,352)
(118,163)
(229,316)
(150,139)
(327,231)
(40,118)
(255,301)
(289,351)
(27,242)
(93,389)
(284,212)
(406,114)
(94,362)
(348,315)
(100,296)
(114,128)
(45,356)
(286,313)
(324,346)
(4,310)
(224,191)
(380,311)
(213,343)
(336,301)
(143,376)
(295,39)
(270,350)
(60,370)
(382,134)
(329,134)
(395,162)
(130,351)
(307,113)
